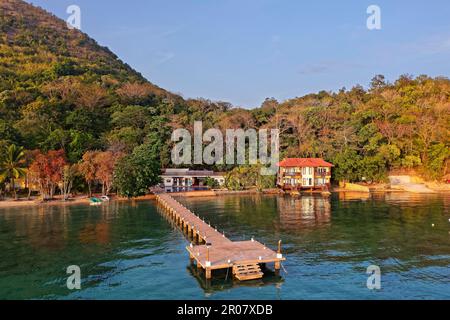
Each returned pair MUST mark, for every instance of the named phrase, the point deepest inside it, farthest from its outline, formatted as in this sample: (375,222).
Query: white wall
(307,174)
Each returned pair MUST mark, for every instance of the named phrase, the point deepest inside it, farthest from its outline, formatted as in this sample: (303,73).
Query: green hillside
(60,89)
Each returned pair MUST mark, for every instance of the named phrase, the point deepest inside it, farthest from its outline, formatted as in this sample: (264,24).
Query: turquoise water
(127,250)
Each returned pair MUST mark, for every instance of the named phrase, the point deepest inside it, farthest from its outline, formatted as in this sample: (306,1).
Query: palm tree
(12,166)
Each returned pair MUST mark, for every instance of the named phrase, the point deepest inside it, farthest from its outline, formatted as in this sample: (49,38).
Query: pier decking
(212,250)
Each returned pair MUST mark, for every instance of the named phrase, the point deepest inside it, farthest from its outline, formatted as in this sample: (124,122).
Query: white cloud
(163,57)
(325,67)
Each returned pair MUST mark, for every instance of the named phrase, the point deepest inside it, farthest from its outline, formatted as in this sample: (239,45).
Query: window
(322,170)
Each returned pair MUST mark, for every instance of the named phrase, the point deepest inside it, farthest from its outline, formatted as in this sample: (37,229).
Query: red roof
(304,162)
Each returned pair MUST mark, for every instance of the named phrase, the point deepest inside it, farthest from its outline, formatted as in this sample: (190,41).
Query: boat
(95,201)
(104,198)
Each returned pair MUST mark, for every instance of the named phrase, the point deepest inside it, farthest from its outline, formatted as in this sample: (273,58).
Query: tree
(439,154)
(30,155)
(125,178)
(88,169)
(347,165)
(131,116)
(105,163)
(138,93)
(8,133)
(68,175)
(378,82)
(48,171)
(127,138)
(211,182)
(249,176)
(79,144)
(12,166)
(136,173)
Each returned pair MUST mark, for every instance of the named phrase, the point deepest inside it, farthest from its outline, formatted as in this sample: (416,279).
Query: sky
(243,51)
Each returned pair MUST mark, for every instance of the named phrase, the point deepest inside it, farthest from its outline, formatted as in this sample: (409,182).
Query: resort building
(304,173)
(187,179)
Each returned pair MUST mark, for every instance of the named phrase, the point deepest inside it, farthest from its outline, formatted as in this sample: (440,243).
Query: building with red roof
(304,173)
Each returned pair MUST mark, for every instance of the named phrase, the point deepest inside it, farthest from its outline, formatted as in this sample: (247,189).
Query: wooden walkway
(212,250)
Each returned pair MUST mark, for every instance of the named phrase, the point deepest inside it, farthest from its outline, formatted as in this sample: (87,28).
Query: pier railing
(212,250)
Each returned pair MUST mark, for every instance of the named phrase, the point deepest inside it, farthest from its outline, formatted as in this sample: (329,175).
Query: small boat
(95,201)
(104,198)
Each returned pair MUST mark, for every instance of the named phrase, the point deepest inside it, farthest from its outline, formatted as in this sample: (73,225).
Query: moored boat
(95,201)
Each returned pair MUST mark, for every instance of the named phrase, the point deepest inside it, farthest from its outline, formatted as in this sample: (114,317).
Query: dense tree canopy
(60,90)
(138,171)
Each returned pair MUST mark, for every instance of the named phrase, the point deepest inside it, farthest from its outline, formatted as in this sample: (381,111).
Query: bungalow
(304,173)
(185,179)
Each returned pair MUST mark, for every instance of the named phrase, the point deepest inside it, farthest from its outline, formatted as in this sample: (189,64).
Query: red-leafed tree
(87,168)
(98,166)
(48,170)
(105,163)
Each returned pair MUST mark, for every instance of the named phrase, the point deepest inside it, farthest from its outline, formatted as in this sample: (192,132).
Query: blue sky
(243,51)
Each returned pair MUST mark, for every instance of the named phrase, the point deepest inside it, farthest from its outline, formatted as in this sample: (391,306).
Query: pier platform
(212,250)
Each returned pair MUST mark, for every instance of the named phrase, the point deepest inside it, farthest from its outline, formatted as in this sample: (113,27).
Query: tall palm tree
(12,166)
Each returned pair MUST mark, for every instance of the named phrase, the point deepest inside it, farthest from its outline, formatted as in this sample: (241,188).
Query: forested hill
(400,127)
(43,40)
(60,89)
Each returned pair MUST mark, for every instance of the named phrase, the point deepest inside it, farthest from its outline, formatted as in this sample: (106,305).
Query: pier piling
(212,250)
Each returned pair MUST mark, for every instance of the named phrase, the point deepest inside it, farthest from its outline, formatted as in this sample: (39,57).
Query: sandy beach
(23,202)
(84,199)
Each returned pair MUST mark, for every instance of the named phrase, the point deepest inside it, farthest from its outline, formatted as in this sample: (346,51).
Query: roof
(304,162)
(190,173)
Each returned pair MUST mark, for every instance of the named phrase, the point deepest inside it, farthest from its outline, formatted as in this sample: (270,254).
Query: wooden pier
(212,250)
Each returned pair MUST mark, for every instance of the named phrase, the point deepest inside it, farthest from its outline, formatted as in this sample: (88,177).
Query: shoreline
(10,203)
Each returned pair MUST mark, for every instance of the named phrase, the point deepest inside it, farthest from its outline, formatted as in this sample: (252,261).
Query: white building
(189,179)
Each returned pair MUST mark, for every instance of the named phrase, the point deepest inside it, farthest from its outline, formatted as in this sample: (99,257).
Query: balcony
(292,174)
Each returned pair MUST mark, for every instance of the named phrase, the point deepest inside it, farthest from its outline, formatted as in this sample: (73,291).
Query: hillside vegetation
(60,90)
(402,126)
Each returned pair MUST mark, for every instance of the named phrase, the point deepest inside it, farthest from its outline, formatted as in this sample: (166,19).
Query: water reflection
(48,226)
(406,234)
(128,250)
(38,243)
(412,199)
(305,211)
(95,233)
(223,280)
(349,196)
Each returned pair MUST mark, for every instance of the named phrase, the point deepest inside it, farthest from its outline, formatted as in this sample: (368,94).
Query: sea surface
(127,250)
